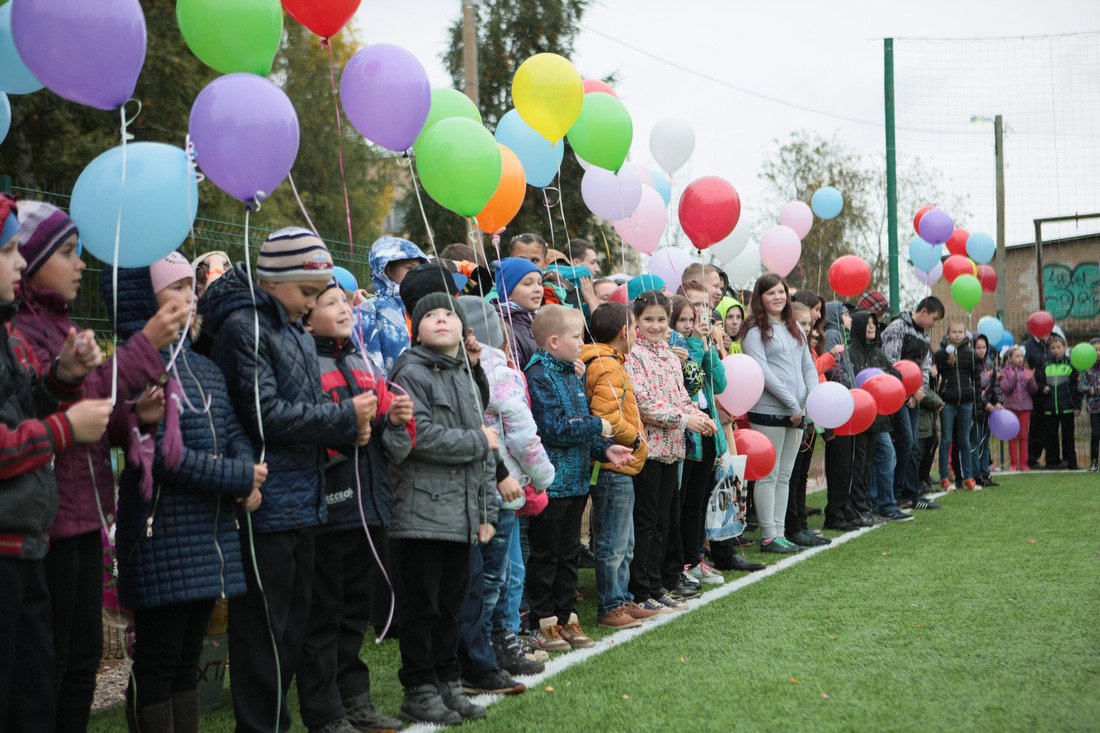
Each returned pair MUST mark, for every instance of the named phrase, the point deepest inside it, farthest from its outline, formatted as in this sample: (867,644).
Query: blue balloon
(661,184)
(540,158)
(15,77)
(5,116)
(158,203)
(992,329)
(1007,340)
(980,248)
(827,202)
(866,374)
(923,255)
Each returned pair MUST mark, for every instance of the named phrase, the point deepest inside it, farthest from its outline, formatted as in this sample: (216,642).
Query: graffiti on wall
(1072,292)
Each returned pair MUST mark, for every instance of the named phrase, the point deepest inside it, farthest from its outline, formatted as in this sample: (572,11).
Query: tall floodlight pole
(891,178)
(469,79)
(1002,264)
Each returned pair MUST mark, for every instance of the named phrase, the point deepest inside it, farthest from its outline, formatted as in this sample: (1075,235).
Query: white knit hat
(294,254)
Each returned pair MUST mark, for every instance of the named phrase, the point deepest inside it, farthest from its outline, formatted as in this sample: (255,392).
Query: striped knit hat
(294,254)
(43,228)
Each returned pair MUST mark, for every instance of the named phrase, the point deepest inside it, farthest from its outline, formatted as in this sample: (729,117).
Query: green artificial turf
(980,616)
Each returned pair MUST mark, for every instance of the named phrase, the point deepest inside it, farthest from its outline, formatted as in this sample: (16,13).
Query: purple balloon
(936,226)
(830,405)
(87,52)
(1004,424)
(245,132)
(611,196)
(385,93)
(866,374)
(930,278)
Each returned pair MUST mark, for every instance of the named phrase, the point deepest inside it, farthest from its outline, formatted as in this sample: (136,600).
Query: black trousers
(863,464)
(654,489)
(839,452)
(695,490)
(1037,438)
(430,578)
(555,537)
(332,671)
(1068,453)
(167,645)
(26,647)
(262,671)
(928,456)
(800,475)
(74,574)
(1094,435)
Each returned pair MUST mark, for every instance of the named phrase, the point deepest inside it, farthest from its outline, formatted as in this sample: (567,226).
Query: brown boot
(150,718)
(185,712)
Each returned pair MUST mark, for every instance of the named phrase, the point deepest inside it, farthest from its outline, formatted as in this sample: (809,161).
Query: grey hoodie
(789,371)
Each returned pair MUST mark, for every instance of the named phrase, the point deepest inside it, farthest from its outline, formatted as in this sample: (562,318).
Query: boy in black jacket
(1061,402)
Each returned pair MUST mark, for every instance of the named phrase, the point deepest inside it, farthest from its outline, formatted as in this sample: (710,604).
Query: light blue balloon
(827,202)
(980,248)
(159,203)
(15,77)
(540,159)
(344,278)
(661,184)
(1007,340)
(923,255)
(992,329)
(5,116)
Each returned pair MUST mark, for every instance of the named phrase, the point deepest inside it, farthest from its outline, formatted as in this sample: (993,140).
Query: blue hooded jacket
(382,318)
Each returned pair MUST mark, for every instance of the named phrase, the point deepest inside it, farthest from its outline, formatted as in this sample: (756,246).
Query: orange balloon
(506,200)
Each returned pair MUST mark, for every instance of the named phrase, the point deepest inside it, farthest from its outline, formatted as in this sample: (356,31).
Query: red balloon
(849,276)
(760,452)
(862,416)
(618,295)
(912,378)
(1040,324)
(916,219)
(957,265)
(957,244)
(888,391)
(595,85)
(988,278)
(324,17)
(709,210)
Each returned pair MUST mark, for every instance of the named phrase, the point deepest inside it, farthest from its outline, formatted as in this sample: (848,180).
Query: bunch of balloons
(781,246)
(967,266)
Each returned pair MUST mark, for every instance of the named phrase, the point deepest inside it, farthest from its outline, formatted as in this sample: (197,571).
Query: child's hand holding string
(401,410)
(491,436)
(366,405)
(79,356)
(473,348)
(252,502)
(89,419)
(150,406)
(509,489)
(164,328)
(485,533)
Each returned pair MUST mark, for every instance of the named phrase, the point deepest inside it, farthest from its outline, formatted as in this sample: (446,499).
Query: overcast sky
(829,57)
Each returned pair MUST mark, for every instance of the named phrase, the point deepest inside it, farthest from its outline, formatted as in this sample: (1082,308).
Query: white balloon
(744,268)
(734,244)
(672,141)
(581,161)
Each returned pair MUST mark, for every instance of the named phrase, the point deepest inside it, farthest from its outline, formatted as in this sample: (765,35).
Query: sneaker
(364,717)
(510,655)
(704,573)
(842,525)
(1026,468)
(640,612)
(686,578)
(670,603)
(454,697)
(896,515)
(813,511)
(653,604)
(532,652)
(493,682)
(881,519)
(945,485)
(923,503)
(905,505)
(424,704)
(779,546)
(685,591)
(571,632)
(806,538)
(1094,466)
(340,725)
(548,637)
(971,485)
(926,487)
(619,618)
(874,519)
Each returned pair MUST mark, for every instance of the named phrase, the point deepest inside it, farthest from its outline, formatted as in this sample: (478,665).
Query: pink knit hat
(172,268)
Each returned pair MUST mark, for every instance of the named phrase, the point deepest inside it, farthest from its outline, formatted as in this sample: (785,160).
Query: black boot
(185,712)
(362,716)
(150,718)
(455,698)
(423,704)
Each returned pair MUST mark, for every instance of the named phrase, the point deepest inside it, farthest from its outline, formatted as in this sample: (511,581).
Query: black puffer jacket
(298,419)
(182,545)
(961,382)
(860,355)
(835,333)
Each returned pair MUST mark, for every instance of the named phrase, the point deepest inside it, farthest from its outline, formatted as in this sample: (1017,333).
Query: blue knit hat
(643,283)
(510,271)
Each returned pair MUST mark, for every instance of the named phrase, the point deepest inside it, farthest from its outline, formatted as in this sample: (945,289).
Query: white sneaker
(704,573)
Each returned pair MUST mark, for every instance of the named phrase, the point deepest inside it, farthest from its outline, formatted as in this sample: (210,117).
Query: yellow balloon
(548,93)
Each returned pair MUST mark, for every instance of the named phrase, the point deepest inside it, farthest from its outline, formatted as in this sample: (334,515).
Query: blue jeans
(498,572)
(882,475)
(960,416)
(907,452)
(613,536)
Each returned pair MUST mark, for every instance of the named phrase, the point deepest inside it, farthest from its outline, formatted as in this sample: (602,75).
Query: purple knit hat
(43,228)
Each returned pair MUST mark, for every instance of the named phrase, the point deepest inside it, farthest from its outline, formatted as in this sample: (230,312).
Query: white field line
(562,662)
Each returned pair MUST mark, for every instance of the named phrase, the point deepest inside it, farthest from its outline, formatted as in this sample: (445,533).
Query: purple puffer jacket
(1017,388)
(43,319)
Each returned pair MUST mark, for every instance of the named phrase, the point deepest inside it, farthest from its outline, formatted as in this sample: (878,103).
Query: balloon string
(420,202)
(339,142)
(550,214)
(290,177)
(126,137)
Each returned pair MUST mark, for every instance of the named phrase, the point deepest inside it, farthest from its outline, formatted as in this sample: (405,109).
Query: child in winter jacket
(573,437)
(441,506)
(519,287)
(334,681)
(179,504)
(960,383)
(989,399)
(1061,402)
(382,318)
(1090,389)
(32,431)
(48,241)
(1018,385)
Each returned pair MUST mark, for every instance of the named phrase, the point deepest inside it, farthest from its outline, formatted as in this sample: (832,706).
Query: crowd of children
(422,463)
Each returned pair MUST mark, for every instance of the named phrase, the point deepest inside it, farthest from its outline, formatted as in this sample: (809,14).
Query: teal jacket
(714,382)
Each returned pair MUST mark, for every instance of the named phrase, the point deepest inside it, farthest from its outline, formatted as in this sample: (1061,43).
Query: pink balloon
(669,265)
(644,174)
(798,216)
(744,384)
(930,278)
(644,228)
(780,249)
(611,196)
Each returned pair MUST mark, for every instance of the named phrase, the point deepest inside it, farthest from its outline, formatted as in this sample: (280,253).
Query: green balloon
(1083,357)
(966,291)
(242,35)
(459,164)
(448,103)
(603,133)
